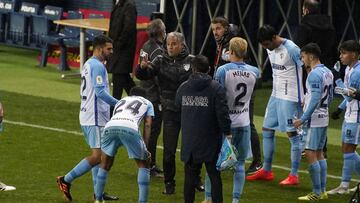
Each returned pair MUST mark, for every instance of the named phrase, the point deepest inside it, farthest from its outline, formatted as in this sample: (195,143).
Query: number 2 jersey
(287,72)
(239,80)
(93,110)
(318,96)
(129,112)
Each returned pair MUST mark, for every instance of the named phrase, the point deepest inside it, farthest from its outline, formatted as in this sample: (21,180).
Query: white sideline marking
(159,146)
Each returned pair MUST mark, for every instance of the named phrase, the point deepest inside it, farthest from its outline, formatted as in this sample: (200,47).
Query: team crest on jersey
(186,67)
(99,80)
(281,55)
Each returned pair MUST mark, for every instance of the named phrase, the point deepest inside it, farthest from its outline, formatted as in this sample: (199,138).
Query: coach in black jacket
(204,119)
(172,69)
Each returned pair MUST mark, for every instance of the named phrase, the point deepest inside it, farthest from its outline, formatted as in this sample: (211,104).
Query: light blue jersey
(94,94)
(239,80)
(319,85)
(287,72)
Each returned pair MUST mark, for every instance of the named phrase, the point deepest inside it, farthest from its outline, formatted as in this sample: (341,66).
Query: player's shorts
(280,113)
(92,135)
(350,133)
(117,136)
(241,141)
(315,138)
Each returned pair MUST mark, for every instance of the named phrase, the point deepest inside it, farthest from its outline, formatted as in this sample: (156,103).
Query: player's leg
(241,140)
(105,166)
(288,111)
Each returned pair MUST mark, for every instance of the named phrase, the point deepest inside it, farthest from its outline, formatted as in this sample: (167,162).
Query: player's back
(239,80)
(320,79)
(93,111)
(129,111)
(287,72)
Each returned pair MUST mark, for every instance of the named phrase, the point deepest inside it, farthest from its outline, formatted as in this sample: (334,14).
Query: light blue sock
(348,167)
(357,162)
(80,169)
(143,182)
(207,188)
(295,154)
(323,174)
(269,147)
(100,183)
(238,181)
(94,172)
(314,171)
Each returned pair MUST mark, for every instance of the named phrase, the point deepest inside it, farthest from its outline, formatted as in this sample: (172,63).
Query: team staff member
(204,119)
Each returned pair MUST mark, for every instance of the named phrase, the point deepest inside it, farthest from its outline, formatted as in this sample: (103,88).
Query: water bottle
(337,66)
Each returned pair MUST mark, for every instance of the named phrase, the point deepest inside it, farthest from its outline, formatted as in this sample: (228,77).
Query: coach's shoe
(109,197)
(324,195)
(156,172)
(290,180)
(200,186)
(339,190)
(4,187)
(310,197)
(254,167)
(169,188)
(64,187)
(261,175)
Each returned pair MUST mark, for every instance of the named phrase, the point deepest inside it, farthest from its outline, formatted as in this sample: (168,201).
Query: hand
(297,123)
(144,60)
(352,92)
(336,114)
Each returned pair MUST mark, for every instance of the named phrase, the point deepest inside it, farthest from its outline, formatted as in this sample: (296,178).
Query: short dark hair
(266,32)
(155,28)
(312,5)
(137,91)
(222,20)
(312,48)
(350,45)
(200,63)
(101,40)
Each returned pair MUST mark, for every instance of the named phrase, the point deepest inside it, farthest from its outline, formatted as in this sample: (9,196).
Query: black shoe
(106,196)
(156,172)
(254,167)
(157,169)
(200,187)
(169,189)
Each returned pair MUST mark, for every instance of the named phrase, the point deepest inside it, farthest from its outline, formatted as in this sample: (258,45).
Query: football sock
(314,171)
(207,188)
(100,183)
(143,182)
(295,154)
(357,162)
(94,172)
(269,146)
(348,167)
(323,174)
(80,169)
(239,181)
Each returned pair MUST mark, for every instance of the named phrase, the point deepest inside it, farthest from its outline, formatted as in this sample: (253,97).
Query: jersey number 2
(243,89)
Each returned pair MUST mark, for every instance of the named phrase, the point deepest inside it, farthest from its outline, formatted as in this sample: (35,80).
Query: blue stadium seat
(39,30)
(17,31)
(6,7)
(28,10)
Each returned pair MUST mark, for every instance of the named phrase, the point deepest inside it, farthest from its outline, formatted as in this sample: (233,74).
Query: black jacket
(222,47)
(204,118)
(317,28)
(171,72)
(122,31)
(153,48)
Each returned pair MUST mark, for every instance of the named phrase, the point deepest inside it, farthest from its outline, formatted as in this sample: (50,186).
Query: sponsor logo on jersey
(99,80)
(278,67)
(236,111)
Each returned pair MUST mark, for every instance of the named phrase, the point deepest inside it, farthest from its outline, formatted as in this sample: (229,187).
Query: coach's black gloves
(336,114)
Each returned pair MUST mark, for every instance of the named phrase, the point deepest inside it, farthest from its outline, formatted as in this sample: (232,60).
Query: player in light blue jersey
(4,187)
(315,120)
(94,112)
(123,130)
(238,79)
(284,103)
(349,55)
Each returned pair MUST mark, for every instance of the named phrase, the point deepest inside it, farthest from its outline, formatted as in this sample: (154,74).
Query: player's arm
(220,75)
(147,129)
(315,88)
(295,56)
(99,82)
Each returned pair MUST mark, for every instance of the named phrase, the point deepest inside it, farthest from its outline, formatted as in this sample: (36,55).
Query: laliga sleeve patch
(99,80)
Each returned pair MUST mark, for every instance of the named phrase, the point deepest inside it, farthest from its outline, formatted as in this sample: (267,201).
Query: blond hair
(239,46)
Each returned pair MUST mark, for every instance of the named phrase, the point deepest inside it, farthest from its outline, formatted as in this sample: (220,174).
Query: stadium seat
(6,7)
(39,30)
(28,10)
(17,32)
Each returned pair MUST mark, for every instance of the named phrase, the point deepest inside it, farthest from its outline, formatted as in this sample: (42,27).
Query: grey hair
(155,28)
(179,36)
